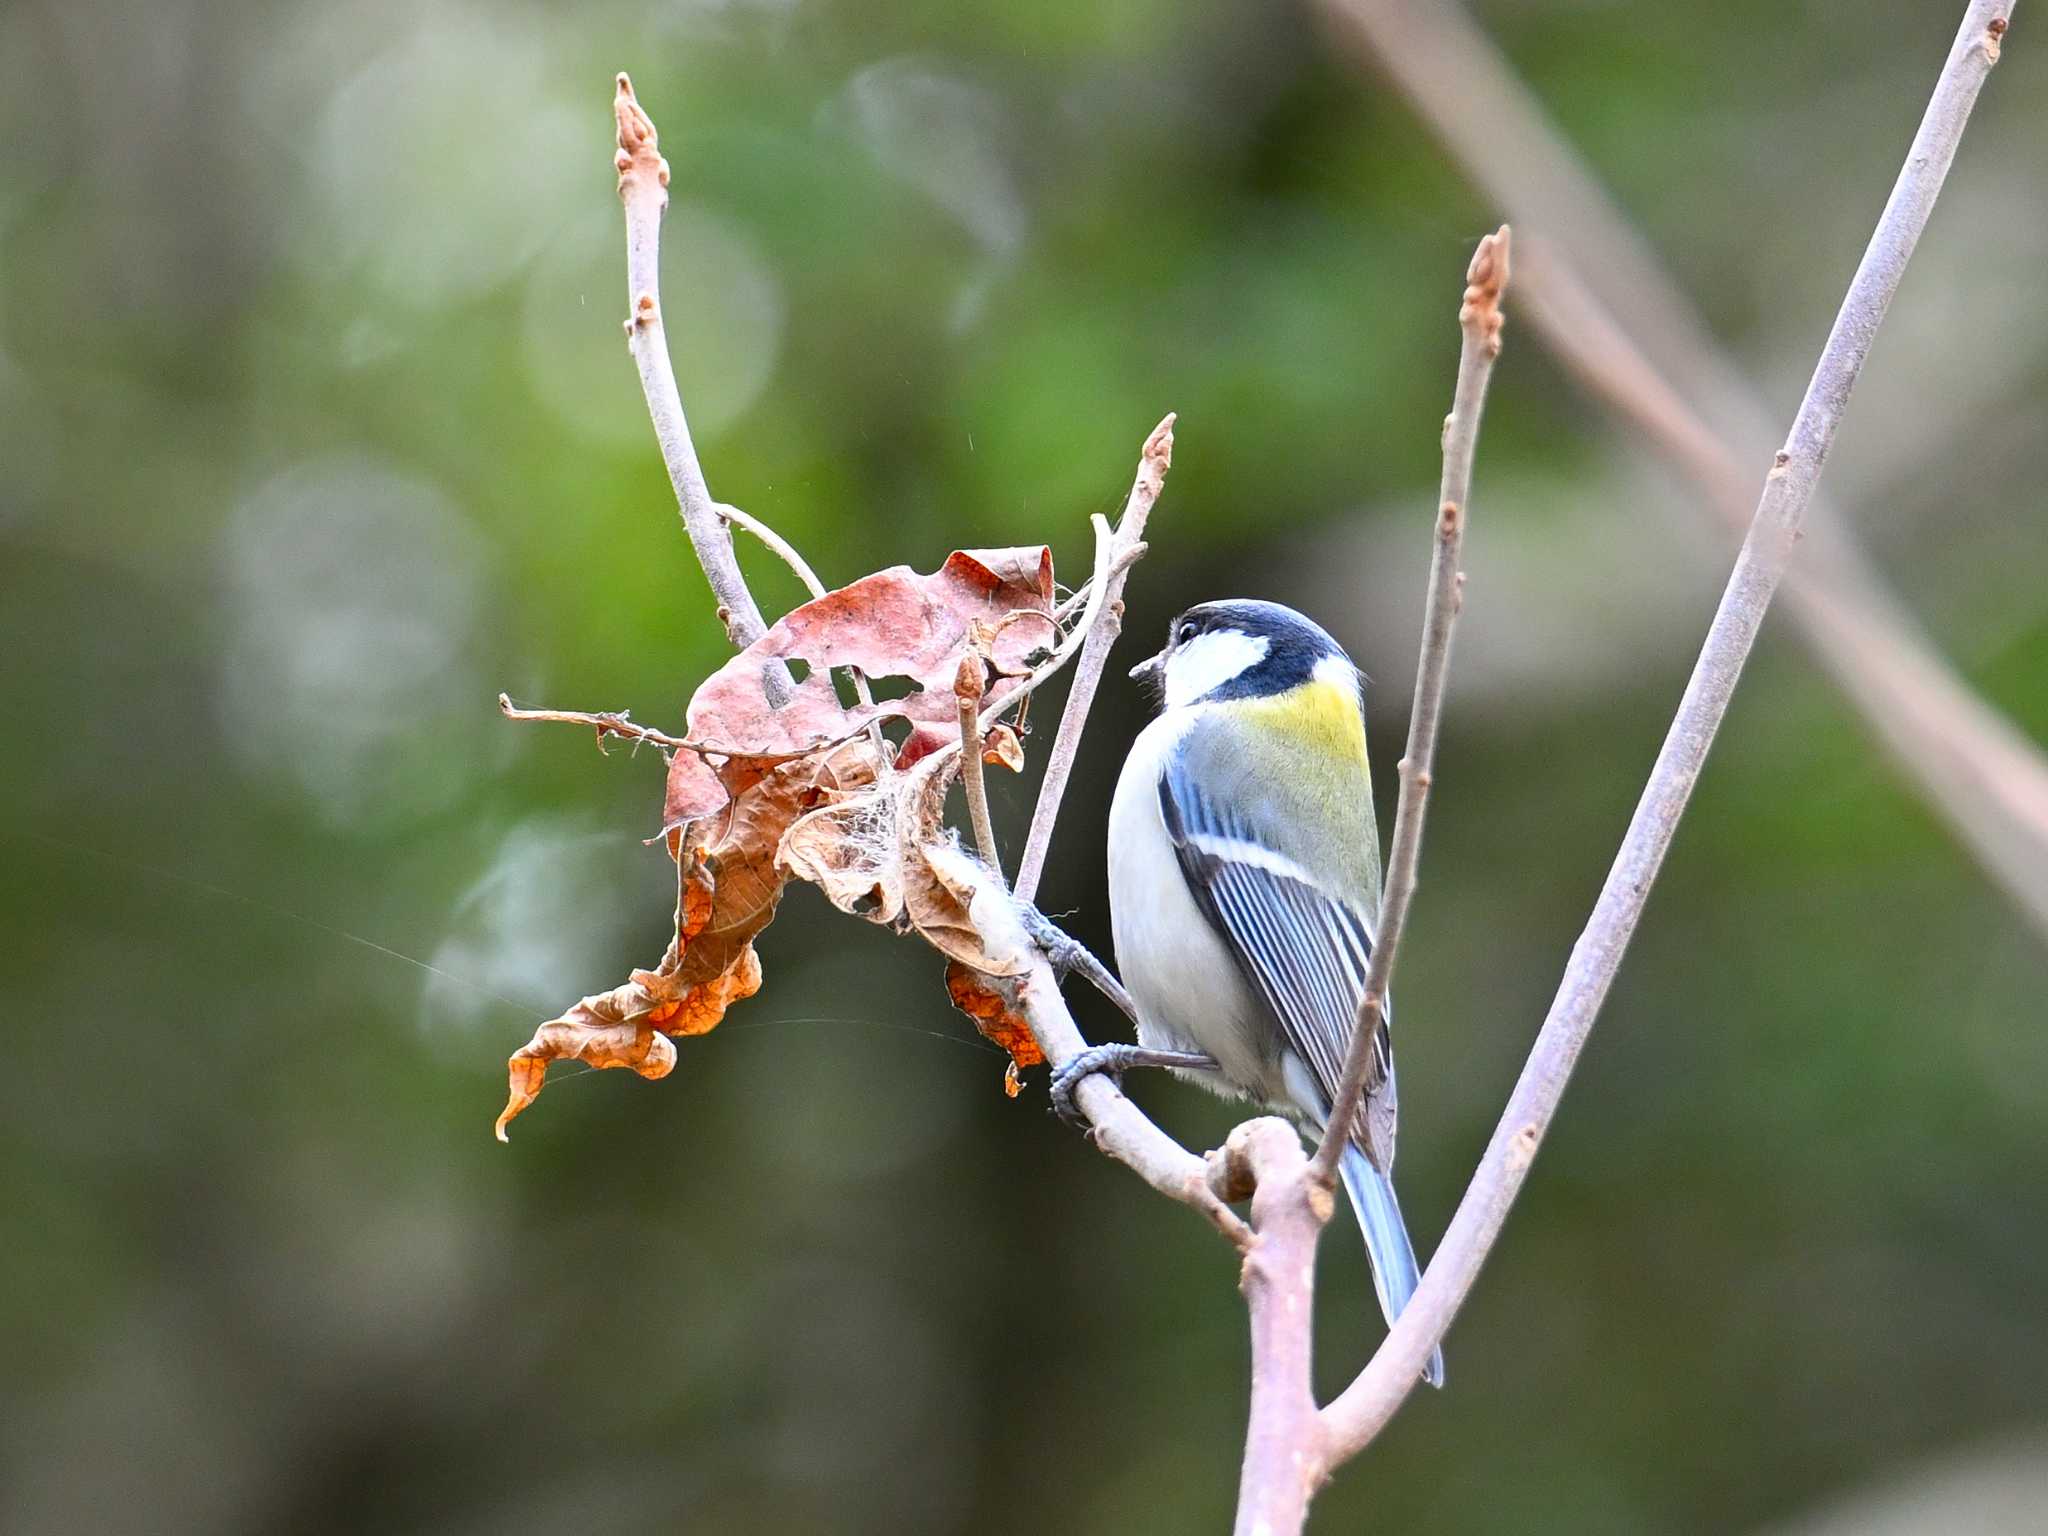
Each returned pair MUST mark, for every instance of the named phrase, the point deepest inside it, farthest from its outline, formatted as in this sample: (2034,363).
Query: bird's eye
(1187,633)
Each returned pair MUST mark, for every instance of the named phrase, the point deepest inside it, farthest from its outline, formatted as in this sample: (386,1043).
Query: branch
(775,543)
(1971,765)
(643,189)
(1479,323)
(968,687)
(1281,1473)
(1597,294)
(1364,1407)
(1153,463)
(605,723)
(1119,1128)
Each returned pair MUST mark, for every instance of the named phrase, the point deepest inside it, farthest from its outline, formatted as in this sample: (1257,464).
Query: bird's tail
(1394,1273)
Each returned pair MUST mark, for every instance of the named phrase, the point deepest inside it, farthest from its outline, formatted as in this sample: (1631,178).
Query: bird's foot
(1115,1059)
(1069,956)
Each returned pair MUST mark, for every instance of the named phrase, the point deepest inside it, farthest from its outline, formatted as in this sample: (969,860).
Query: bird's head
(1240,648)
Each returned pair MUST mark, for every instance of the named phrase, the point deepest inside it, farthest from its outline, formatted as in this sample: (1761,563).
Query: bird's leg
(1069,955)
(1115,1059)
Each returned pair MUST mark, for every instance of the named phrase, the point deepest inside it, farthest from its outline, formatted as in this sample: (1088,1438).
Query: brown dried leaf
(800,792)
(961,908)
(727,888)
(578,1036)
(991,1002)
(1001,748)
(836,848)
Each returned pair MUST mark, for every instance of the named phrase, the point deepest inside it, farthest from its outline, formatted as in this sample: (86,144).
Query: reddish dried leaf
(991,1002)
(573,1037)
(892,624)
(799,791)
(727,888)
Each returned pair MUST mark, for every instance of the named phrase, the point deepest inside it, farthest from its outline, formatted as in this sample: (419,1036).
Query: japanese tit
(1244,880)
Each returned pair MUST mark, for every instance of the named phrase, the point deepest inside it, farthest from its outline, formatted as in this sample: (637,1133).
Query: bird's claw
(1114,1059)
(1068,955)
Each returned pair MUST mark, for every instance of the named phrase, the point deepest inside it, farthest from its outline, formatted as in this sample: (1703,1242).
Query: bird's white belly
(1189,991)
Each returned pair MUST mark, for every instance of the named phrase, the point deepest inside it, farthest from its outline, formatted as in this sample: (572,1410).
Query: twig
(775,543)
(605,723)
(1479,323)
(1633,334)
(1153,463)
(643,189)
(1364,1407)
(1119,1128)
(1076,638)
(968,688)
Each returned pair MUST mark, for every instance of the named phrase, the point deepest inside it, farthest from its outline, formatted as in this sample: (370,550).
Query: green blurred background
(316,430)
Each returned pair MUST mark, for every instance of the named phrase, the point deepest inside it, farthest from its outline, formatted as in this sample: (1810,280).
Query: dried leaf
(578,1036)
(847,851)
(1001,748)
(727,888)
(892,624)
(769,794)
(992,1004)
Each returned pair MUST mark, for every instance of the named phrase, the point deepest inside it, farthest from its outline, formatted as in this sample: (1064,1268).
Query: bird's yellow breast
(1315,716)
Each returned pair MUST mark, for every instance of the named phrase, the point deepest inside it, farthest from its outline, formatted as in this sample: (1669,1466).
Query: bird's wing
(1303,949)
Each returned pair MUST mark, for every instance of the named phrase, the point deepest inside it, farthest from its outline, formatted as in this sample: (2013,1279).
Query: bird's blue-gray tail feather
(1394,1271)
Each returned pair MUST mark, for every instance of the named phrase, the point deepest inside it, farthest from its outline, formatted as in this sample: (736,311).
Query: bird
(1244,883)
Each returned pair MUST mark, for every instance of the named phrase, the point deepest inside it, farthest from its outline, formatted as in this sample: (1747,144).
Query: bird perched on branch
(1244,879)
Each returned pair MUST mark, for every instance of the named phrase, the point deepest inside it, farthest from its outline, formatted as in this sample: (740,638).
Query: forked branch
(1364,1407)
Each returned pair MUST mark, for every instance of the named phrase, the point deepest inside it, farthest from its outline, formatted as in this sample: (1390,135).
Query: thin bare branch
(1119,1128)
(1972,766)
(643,189)
(1364,1407)
(1479,325)
(1595,291)
(1076,638)
(605,723)
(968,688)
(775,543)
(1153,463)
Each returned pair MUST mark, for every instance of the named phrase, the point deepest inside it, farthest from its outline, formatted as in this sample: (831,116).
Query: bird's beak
(1150,671)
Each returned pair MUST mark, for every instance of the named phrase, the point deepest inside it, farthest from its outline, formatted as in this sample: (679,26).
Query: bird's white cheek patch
(1209,661)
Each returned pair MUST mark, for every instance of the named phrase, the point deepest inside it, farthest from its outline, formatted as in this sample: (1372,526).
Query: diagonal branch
(1479,322)
(1153,463)
(1117,1126)
(1595,291)
(1364,1407)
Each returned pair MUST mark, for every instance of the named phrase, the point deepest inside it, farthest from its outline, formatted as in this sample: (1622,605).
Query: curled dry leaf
(991,1003)
(882,851)
(727,887)
(1001,748)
